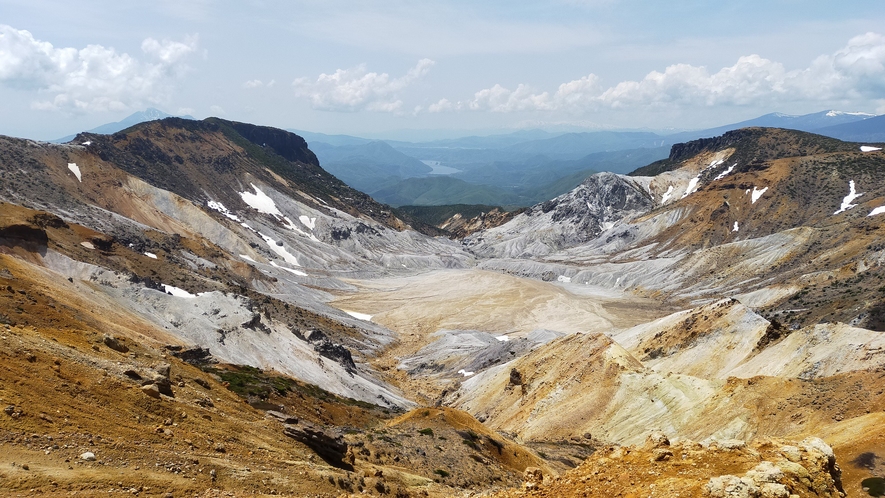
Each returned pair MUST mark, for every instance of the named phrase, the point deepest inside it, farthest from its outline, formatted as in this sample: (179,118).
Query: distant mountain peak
(833,114)
(149,114)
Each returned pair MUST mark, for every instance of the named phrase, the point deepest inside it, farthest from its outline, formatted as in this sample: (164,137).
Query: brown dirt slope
(764,468)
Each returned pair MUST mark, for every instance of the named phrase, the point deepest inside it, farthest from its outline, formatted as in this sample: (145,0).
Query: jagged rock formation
(569,220)
(460,227)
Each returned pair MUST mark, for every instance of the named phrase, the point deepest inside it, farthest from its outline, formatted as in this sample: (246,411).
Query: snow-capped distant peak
(833,114)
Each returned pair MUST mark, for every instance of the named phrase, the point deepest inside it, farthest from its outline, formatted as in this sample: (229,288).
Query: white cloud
(356,89)
(855,72)
(442,105)
(185,111)
(574,95)
(259,84)
(93,78)
(216,110)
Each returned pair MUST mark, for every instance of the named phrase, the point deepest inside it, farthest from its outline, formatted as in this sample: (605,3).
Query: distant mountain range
(817,122)
(149,114)
(534,164)
(867,130)
(518,168)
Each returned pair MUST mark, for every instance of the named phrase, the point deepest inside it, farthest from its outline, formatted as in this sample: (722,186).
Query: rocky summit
(197,308)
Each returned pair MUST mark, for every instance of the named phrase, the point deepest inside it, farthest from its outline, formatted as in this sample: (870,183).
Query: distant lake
(439,169)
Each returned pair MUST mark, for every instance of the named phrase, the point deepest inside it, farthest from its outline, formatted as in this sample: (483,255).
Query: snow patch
(667,195)
(878,210)
(290,270)
(359,316)
(291,226)
(692,186)
(867,148)
(150,255)
(725,173)
(735,229)
(716,162)
(247,258)
(217,206)
(76,170)
(465,373)
(88,142)
(87,244)
(563,278)
(757,194)
(260,202)
(280,250)
(310,223)
(175,291)
(847,201)
(502,338)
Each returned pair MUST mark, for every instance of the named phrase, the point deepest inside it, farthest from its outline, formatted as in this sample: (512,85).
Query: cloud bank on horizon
(339,67)
(854,72)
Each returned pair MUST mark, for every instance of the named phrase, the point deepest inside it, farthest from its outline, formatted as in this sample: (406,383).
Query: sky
(412,69)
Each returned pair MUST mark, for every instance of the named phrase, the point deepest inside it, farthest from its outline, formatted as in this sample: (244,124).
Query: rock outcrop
(569,220)
(328,444)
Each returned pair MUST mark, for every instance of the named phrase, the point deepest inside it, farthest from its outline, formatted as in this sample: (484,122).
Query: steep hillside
(793,206)
(237,222)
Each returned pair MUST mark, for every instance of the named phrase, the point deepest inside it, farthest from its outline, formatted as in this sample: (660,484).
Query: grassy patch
(251,383)
(875,486)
